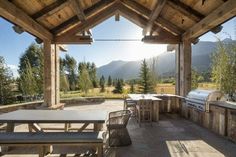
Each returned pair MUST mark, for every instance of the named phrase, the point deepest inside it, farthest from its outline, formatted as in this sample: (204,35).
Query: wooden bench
(43,139)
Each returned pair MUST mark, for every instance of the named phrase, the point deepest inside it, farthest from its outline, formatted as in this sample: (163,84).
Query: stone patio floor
(172,136)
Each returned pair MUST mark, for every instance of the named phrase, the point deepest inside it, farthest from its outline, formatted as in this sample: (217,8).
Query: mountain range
(165,66)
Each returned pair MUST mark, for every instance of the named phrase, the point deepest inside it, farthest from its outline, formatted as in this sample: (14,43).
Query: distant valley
(165,66)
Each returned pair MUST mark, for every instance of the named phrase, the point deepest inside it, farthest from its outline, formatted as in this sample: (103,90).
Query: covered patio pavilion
(56,22)
(178,23)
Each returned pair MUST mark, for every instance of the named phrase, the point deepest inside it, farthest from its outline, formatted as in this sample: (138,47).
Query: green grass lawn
(166,88)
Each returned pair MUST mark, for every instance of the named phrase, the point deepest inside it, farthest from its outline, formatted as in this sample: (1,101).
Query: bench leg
(100,150)
(10,128)
(41,151)
(44,150)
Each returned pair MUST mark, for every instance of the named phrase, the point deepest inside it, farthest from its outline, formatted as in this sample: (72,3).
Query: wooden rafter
(88,13)
(92,21)
(185,10)
(155,13)
(78,10)
(146,12)
(141,21)
(19,17)
(51,9)
(215,18)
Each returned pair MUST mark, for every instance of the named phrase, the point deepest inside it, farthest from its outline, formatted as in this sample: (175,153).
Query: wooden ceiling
(163,21)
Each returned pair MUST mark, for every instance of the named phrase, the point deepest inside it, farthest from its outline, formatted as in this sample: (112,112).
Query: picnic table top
(54,116)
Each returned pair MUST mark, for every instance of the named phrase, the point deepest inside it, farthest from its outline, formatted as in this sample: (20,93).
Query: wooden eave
(62,20)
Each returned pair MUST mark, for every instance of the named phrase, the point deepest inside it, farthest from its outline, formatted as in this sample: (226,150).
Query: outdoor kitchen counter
(225,104)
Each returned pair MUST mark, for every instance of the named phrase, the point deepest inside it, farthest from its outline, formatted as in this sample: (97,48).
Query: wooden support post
(49,74)
(185,67)
(57,75)
(177,69)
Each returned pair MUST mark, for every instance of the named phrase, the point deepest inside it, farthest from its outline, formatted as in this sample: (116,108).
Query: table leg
(10,128)
(98,126)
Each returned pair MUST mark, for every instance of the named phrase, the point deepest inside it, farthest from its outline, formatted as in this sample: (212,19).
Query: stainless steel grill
(200,99)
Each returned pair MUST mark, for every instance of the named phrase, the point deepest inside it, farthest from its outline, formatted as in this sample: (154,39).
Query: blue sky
(13,45)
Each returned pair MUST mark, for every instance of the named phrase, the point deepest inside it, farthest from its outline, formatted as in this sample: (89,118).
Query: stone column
(185,67)
(49,74)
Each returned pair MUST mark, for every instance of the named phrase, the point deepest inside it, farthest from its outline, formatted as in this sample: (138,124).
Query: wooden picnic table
(32,117)
(155,108)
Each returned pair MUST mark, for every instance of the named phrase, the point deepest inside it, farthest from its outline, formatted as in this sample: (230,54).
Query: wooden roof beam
(73,40)
(93,20)
(146,13)
(78,10)
(60,29)
(141,21)
(162,39)
(50,9)
(215,18)
(155,13)
(185,10)
(20,18)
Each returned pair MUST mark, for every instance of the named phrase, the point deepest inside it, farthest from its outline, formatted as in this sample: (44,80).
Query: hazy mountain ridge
(201,61)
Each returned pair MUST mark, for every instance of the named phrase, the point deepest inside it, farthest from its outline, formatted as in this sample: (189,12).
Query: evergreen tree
(28,83)
(33,57)
(70,67)
(102,83)
(64,84)
(146,85)
(93,75)
(118,87)
(109,81)
(5,83)
(194,78)
(132,90)
(84,81)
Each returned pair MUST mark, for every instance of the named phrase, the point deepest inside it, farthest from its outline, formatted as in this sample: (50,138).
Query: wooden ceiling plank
(88,12)
(78,10)
(19,17)
(154,15)
(146,12)
(51,9)
(169,25)
(185,10)
(215,18)
(70,22)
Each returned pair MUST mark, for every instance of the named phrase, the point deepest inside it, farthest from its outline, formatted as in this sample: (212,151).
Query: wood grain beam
(146,13)
(162,39)
(141,21)
(78,10)
(73,40)
(155,13)
(93,20)
(185,10)
(50,9)
(215,18)
(17,16)
(60,29)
